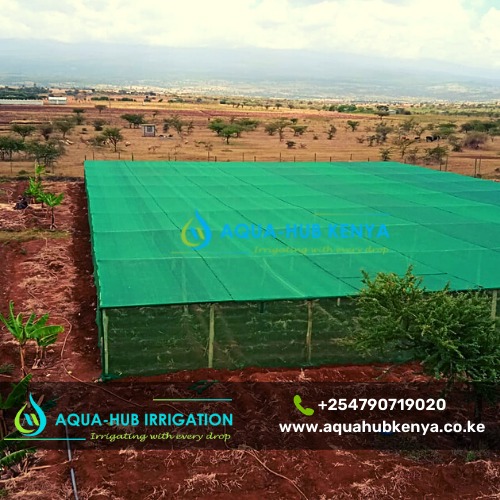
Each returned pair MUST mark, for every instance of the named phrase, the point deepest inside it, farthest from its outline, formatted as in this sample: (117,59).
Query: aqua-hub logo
(36,420)
(196,237)
(199,236)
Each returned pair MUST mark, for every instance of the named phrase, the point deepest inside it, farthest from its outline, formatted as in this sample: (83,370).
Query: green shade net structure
(215,264)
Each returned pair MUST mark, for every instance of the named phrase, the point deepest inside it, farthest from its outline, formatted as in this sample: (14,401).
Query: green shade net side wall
(161,339)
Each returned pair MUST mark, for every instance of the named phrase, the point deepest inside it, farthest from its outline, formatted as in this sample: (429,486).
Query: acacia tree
(10,145)
(271,128)
(79,119)
(452,334)
(299,130)
(215,125)
(23,130)
(45,152)
(64,126)
(230,131)
(134,120)
(31,329)
(46,129)
(353,125)
(403,143)
(100,107)
(278,126)
(382,131)
(99,124)
(332,130)
(233,128)
(176,123)
(385,154)
(113,135)
(436,155)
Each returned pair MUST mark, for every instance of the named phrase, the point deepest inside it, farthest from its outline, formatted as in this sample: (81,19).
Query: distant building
(21,102)
(58,100)
(148,130)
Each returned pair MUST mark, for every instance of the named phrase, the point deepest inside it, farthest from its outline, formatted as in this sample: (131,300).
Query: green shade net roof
(268,231)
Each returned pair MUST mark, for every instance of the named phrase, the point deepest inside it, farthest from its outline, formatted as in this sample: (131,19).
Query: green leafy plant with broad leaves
(39,171)
(15,398)
(31,329)
(52,201)
(12,453)
(34,190)
(452,334)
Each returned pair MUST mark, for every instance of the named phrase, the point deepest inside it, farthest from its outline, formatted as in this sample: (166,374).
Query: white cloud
(458,31)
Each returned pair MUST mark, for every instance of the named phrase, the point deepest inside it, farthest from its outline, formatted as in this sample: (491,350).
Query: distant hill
(279,73)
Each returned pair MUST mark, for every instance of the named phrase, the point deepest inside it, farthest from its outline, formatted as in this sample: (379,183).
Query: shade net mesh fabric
(168,234)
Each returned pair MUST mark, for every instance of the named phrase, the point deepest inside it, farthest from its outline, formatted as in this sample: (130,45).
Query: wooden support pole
(494,305)
(338,301)
(309,329)
(211,337)
(105,323)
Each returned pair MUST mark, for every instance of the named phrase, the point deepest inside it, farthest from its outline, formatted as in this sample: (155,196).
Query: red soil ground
(56,276)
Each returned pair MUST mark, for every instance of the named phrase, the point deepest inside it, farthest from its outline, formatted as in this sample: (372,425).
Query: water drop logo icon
(196,237)
(37,420)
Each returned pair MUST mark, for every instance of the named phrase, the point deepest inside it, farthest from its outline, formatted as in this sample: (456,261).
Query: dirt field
(47,271)
(203,144)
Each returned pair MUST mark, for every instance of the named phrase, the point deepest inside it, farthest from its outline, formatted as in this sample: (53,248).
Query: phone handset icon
(297,400)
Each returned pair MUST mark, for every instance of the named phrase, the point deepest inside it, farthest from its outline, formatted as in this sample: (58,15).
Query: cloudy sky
(458,31)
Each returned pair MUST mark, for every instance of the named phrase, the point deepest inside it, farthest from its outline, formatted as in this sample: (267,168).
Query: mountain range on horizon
(252,71)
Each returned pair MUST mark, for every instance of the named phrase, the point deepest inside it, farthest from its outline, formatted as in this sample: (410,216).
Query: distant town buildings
(58,100)
(21,102)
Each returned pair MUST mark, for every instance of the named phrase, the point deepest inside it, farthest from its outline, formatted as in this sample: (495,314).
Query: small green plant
(32,329)
(15,398)
(34,190)
(39,171)
(52,200)
(13,454)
